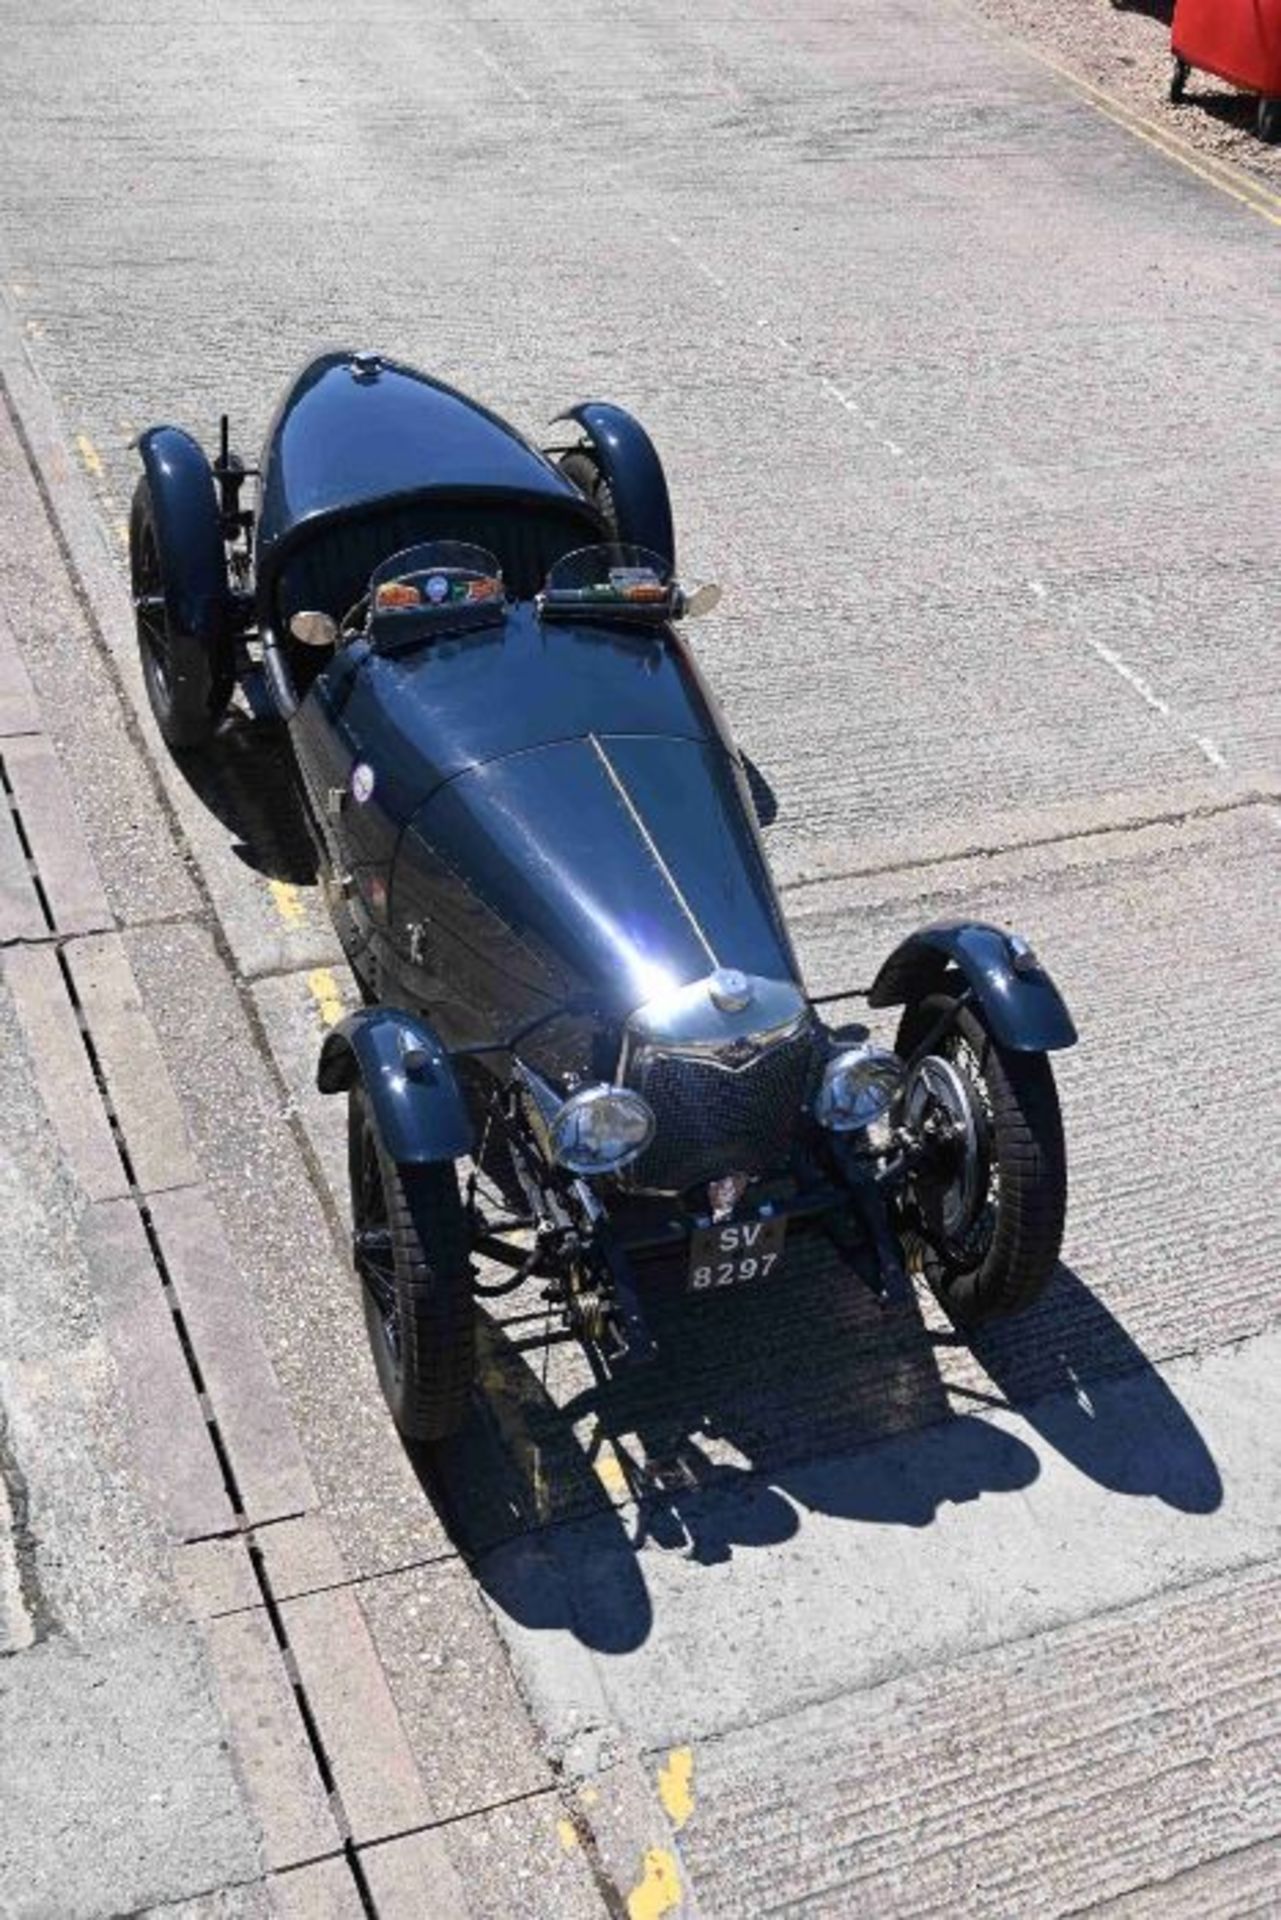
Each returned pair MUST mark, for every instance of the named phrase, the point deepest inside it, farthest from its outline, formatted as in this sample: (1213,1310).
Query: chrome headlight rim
(568,1135)
(860,1085)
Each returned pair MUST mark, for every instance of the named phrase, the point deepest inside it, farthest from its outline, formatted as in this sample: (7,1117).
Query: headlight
(601,1129)
(859,1086)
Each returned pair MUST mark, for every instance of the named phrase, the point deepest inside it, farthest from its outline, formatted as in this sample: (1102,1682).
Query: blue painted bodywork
(1020,1002)
(345,443)
(557,820)
(406,1072)
(189,531)
(634,473)
(530,829)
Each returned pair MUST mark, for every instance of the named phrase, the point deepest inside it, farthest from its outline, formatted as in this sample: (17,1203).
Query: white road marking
(1147,693)
(700,266)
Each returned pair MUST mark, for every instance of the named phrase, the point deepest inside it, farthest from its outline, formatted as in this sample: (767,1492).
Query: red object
(1240,40)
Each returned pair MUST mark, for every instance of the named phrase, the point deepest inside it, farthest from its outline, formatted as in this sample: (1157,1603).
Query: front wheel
(411,1250)
(189,679)
(985,1209)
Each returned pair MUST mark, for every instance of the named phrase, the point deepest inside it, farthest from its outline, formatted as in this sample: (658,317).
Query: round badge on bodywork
(729,990)
(362,783)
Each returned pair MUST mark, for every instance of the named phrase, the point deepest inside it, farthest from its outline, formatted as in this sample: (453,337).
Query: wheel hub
(955,1187)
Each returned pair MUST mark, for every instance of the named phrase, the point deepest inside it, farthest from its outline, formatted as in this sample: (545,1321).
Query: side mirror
(704,599)
(314,629)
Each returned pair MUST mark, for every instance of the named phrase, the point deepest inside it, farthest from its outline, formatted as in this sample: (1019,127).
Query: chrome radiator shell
(728,1085)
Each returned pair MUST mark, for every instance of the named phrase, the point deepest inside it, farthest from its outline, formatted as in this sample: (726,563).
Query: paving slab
(117,1786)
(273,1754)
(216,1577)
(454,1690)
(619,1809)
(251,1901)
(59,850)
(1054,1776)
(125,1044)
(62,1071)
(175,1454)
(415,1875)
(372,1763)
(323,1891)
(525,1857)
(253,1421)
(21,914)
(18,710)
(300,1556)
(811,1582)
(92,1553)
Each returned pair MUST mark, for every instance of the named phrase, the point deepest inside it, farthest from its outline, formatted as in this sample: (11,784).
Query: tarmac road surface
(967,396)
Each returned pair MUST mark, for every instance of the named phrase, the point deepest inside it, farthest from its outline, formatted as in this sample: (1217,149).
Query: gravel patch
(1126,49)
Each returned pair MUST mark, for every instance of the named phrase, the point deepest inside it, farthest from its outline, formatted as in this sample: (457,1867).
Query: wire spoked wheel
(985,1208)
(411,1251)
(581,466)
(189,678)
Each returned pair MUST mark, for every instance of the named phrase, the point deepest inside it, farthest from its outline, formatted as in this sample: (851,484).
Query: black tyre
(984,1215)
(189,679)
(1179,82)
(411,1252)
(1268,122)
(581,466)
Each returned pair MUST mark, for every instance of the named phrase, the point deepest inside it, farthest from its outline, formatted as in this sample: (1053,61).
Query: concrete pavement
(966,398)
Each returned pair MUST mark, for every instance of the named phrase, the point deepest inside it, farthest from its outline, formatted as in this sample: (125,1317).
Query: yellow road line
(1224,174)
(327,995)
(90,455)
(659,1890)
(1228,178)
(676,1786)
(287,899)
(609,1471)
(567,1834)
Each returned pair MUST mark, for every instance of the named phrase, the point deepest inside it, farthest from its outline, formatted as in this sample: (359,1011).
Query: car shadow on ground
(245,780)
(767,1406)
(1162,10)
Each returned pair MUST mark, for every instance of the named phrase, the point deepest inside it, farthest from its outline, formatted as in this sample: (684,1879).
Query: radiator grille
(711,1122)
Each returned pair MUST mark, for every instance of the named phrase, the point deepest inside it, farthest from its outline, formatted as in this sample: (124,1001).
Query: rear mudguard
(189,529)
(1019,1001)
(634,473)
(412,1087)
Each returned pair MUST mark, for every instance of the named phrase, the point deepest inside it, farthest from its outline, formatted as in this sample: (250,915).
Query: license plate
(735,1253)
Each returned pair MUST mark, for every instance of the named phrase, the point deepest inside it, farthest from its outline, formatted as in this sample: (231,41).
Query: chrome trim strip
(645,834)
(758,1047)
(685,1025)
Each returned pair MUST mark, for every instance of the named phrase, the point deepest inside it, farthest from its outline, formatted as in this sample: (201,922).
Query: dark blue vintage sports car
(586,1049)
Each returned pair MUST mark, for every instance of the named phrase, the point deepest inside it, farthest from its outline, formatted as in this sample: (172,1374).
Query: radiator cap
(729,990)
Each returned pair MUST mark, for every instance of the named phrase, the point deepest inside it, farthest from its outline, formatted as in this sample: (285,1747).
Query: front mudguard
(408,1078)
(189,530)
(634,474)
(1020,1003)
